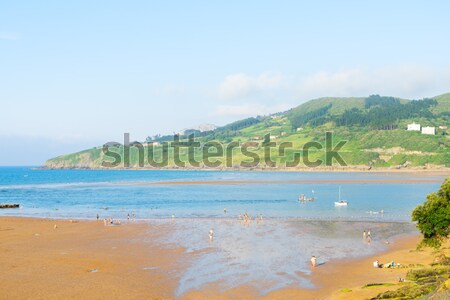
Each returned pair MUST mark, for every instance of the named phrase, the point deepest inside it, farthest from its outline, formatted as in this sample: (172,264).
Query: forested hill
(374,128)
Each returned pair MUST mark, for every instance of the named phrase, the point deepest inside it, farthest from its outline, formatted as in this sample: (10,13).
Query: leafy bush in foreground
(433,217)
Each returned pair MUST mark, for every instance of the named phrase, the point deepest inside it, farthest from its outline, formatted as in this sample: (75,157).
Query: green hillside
(374,129)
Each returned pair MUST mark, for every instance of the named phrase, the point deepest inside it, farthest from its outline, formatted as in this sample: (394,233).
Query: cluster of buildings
(425,130)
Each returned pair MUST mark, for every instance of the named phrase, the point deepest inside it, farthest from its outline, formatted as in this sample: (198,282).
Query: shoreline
(69,254)
(315,181)
(350,169)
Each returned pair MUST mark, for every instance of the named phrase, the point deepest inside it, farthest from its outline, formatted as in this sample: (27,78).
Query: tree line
(379,113)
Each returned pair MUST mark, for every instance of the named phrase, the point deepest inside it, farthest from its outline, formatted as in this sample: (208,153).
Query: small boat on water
(340,202)
(303,198)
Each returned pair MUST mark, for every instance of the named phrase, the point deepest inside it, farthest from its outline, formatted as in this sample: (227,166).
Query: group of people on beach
(367,237)
(132,217)
(111,221)
(247,218)
(391,264)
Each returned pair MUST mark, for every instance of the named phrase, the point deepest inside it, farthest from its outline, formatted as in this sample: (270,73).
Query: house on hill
(154,143)
(428,130)
(413,127)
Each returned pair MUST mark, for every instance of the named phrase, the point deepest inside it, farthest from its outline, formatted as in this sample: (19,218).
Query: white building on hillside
(428,130)
(413,127)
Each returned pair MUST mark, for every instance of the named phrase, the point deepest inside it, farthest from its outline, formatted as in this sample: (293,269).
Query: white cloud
(242,85)
(407,81)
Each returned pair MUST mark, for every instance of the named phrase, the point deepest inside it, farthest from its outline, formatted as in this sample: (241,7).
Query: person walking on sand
(313,261)
(211,234)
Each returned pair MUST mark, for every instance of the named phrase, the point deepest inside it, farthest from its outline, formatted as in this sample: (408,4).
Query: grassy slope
(364,147)
(443,103)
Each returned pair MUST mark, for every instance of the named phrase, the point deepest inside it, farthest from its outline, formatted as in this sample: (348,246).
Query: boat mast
(339,194)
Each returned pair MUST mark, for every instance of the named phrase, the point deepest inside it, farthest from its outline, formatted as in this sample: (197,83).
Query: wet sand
(87,260)
(315,181)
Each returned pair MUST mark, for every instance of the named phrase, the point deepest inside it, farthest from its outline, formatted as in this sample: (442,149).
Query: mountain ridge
(372,127)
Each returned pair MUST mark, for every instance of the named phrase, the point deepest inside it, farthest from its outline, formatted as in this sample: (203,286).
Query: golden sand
(87,260)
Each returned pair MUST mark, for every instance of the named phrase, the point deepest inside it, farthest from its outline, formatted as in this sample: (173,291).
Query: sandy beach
(325,181)
(87,260)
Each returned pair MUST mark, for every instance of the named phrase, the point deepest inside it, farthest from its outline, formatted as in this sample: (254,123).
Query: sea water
(115,193)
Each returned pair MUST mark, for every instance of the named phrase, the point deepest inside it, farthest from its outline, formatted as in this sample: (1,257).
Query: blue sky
(79,74)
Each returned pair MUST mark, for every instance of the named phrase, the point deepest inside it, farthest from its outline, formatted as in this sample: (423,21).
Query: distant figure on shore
(104,222)
(364,235)
(368,234)
(134,217)
(211,234)
(128,217)
(376,264)
(225,211)
(98,217)
(313,261)
(247,219)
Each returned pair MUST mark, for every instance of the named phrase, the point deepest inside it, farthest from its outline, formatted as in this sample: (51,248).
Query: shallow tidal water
(270,254)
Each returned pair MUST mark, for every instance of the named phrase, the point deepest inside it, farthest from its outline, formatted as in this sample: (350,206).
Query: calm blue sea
(84,193)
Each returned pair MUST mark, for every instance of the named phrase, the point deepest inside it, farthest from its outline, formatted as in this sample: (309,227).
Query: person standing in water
(211,234)
(364,235)
(313,261)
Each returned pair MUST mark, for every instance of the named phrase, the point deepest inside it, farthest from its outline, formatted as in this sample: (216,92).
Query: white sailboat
(340,202)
